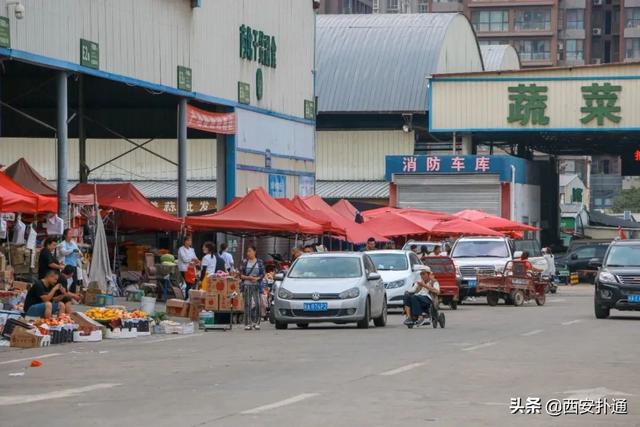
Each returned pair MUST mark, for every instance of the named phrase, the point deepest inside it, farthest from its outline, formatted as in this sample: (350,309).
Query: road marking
(401,369)
(571,322)
(534,332)
(180,337)
(476,347)
(281,403)
(43,356)
(59,394)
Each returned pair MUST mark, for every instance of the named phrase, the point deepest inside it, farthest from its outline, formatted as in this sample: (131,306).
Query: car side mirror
(517,254)
(417,267)
(279,277)
(575,256)
(595,262)
(373,276)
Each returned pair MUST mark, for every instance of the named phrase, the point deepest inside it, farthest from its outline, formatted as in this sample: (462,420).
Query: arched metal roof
(500,57)
(380,62)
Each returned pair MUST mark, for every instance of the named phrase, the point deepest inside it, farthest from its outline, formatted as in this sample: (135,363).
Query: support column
(221,171)
(230,169)
(61,83)
(467,144)
(82,137)
(182,158)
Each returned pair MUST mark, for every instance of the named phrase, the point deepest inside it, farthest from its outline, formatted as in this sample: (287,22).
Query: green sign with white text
(89,54)
(184,78)
(309,110)
(5,33)
(244,93)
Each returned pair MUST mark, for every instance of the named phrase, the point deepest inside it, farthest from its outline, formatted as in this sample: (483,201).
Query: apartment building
(545,32)
(333,7)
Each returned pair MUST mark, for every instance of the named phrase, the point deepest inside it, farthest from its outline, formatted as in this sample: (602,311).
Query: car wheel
(454,305)
(364,323)
(541,299)
(518,298)
(492,299)
(281,325)
(601,312)
(381,321)
(302,325)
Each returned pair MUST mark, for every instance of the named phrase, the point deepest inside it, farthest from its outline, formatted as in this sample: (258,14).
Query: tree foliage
(628,200)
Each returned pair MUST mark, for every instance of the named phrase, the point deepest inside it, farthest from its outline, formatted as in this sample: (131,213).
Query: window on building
(632,15)
(393,6)
(376,6)
(632,48)
(597,202)
(490,20)
(423,6)
(492,42)
(533,19)
(533,50)
(575,19)
(574,50)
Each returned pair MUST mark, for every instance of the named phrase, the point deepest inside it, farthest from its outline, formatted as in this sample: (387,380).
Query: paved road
(465,374)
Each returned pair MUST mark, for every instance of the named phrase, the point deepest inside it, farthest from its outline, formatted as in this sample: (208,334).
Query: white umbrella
(100,275)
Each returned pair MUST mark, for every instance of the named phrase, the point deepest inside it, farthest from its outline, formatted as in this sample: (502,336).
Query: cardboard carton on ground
(177,308)
(20,286)
(196,296)
(91,296)
(85,323)
(212,301)
(194,310)
(22,338)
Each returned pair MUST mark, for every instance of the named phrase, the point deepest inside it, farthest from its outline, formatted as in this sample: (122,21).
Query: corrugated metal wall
(148,39)
(137,165)
(358,155)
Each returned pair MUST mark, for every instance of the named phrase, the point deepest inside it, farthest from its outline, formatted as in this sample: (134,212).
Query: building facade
(333,7)
(545,32)
(138,66)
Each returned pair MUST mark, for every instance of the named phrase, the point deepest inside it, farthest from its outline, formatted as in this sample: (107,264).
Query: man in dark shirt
(47,259)
(68,292)
(39,301)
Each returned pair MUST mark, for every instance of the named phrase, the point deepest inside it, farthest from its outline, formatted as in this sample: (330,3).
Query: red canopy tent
(393,224)
(460,227)
(494,222)
(22,173)
(346,209)
(256,212)
(318,217)
(133,210)
(355,233)
(16,198)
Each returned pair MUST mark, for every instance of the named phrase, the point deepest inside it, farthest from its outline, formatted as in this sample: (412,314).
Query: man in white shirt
(226,256)
(419,298)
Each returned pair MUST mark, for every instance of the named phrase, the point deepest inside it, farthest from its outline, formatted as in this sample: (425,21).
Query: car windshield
(390,262)
(530,246)
(315,267)
(430,246)
(623,256)
(480,249)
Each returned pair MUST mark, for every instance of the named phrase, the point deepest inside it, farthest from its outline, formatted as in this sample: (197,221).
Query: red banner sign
(211,122)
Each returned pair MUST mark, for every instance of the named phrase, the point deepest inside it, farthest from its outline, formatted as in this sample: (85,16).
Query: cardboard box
(238,303)
(233,285)
(20,286)
(177,308)
(196,296)
(22,338)
(194,311)
(225,303)
(85,323)
(93,336)
(90,296)
(217,284)
(212,301)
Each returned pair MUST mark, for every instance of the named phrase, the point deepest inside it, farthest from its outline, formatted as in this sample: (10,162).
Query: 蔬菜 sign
(534,104)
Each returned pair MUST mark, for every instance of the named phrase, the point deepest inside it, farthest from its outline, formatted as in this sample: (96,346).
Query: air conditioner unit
(598,2)
(596,61)
(596,31)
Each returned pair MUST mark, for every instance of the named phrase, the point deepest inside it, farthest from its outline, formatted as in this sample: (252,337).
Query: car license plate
(315,306)
(634,298)
(472,283)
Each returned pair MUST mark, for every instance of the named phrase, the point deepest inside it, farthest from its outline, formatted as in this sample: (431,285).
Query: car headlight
(607,277)
(350,293)
(394,284)
(284,294)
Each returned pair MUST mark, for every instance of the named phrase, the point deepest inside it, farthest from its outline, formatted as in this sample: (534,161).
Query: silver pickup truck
(487,255)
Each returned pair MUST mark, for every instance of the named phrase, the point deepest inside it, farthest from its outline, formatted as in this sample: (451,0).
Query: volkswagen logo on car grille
(315,296)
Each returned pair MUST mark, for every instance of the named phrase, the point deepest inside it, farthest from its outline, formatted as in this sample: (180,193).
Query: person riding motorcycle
(418,299)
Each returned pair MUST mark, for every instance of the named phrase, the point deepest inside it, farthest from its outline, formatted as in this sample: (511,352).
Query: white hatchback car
(398,271)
